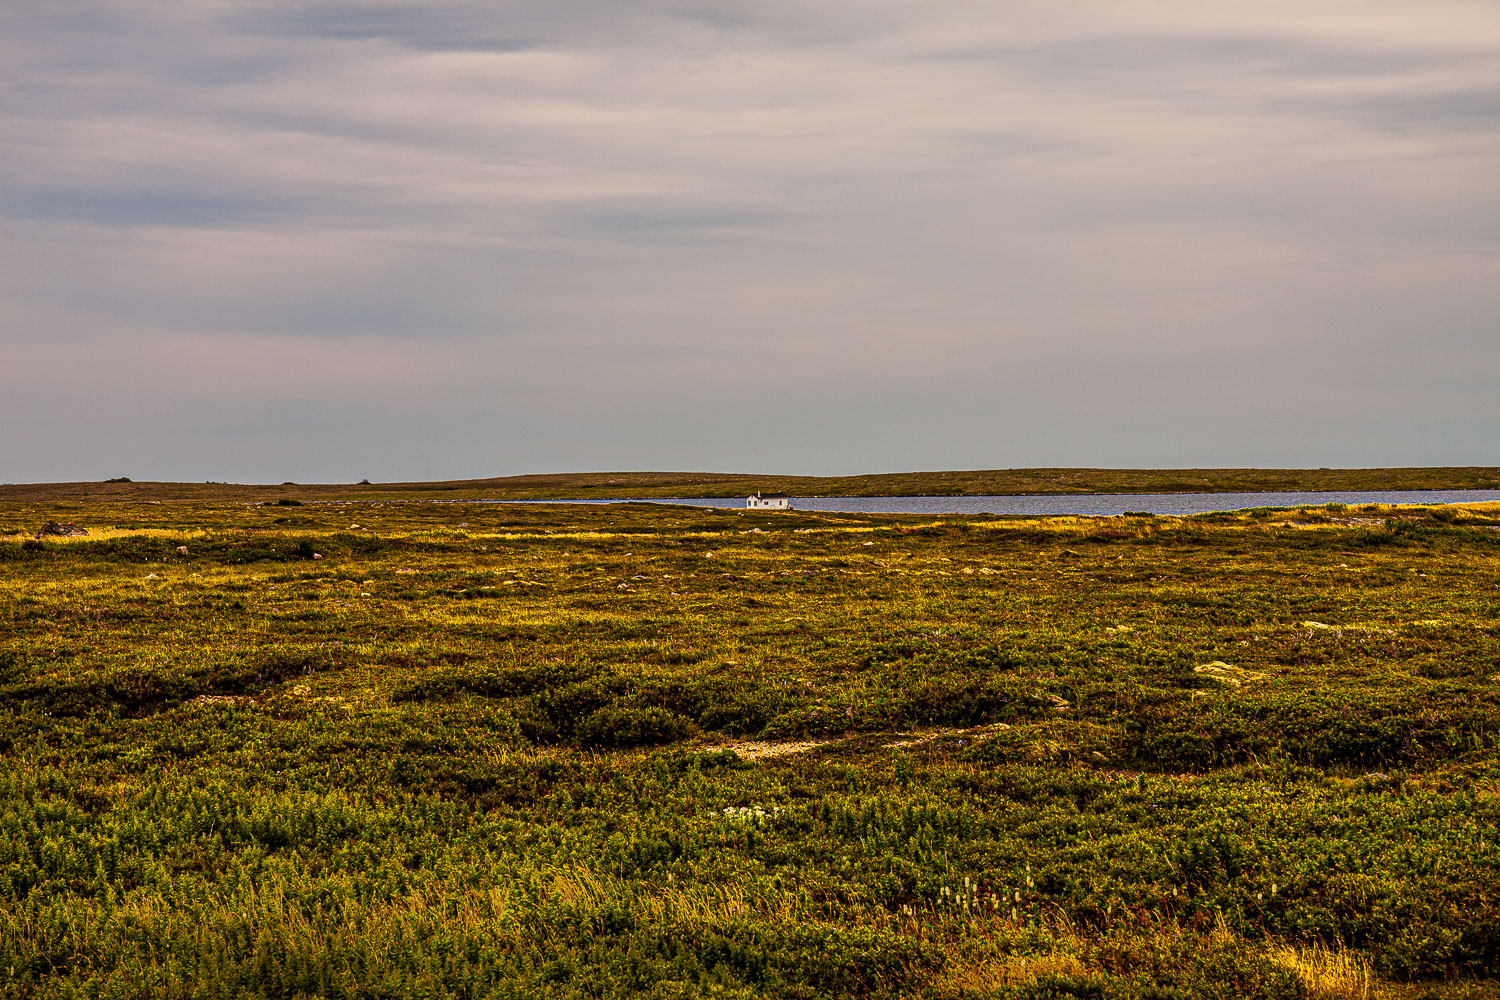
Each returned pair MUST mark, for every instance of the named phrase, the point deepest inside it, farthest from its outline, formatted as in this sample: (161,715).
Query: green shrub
(631,726)
(513,682)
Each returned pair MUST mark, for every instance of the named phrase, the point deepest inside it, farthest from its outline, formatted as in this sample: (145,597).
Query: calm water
(1104,503)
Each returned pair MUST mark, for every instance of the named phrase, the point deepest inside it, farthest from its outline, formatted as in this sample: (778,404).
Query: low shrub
(630,726)
(513,682)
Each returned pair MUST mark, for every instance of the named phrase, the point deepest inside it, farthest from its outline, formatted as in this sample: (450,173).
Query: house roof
(773,496)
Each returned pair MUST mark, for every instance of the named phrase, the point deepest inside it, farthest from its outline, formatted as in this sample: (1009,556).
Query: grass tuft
(1326,973)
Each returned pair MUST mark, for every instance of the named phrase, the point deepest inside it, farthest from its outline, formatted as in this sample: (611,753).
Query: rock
(63,528)
(1229,675)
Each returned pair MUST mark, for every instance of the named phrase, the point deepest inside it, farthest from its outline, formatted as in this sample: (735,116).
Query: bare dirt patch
(761,750)
(767,749)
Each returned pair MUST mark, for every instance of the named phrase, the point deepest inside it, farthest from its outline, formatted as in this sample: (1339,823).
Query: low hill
(653,485)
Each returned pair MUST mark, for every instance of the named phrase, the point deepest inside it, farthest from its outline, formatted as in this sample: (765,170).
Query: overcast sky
(256,241)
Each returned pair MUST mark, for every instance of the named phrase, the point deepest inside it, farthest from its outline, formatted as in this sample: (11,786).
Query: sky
(323,241)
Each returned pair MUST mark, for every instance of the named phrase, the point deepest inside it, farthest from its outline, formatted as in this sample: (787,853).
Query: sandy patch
(932,735)
(763,750)
(222,699)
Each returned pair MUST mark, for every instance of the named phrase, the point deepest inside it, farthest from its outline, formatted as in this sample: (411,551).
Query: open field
(648,485)
(390,750)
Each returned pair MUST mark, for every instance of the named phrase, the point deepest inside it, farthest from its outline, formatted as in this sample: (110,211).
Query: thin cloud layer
(331,240)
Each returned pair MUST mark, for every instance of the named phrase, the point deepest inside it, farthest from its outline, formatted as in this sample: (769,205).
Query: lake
(1098,504)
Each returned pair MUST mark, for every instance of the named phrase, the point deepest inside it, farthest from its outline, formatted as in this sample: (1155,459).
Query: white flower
(747,813)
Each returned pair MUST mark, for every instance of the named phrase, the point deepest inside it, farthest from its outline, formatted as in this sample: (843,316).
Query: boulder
(65,529)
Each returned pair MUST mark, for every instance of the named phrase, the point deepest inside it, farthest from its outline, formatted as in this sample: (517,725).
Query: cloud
(905,225)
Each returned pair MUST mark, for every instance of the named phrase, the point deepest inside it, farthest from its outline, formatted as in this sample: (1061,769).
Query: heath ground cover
(474,750)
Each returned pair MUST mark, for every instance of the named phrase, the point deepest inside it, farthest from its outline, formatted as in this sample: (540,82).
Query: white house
(771,501)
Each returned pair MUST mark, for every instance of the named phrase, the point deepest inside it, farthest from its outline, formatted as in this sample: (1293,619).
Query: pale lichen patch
(1228,674)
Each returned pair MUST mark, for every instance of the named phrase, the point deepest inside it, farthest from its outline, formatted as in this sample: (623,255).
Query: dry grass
(1326,973)
(1014,970)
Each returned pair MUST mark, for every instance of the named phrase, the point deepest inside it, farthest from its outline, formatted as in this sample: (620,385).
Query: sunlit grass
(1326,973)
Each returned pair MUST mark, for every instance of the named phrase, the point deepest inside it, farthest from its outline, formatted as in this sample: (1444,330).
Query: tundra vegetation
(464,750)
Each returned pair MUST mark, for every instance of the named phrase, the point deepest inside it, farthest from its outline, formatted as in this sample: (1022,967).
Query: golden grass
(96,534)
(1326,973)
(1014,970)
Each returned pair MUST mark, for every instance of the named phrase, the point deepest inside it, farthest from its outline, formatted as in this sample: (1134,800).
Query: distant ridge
(655,485)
